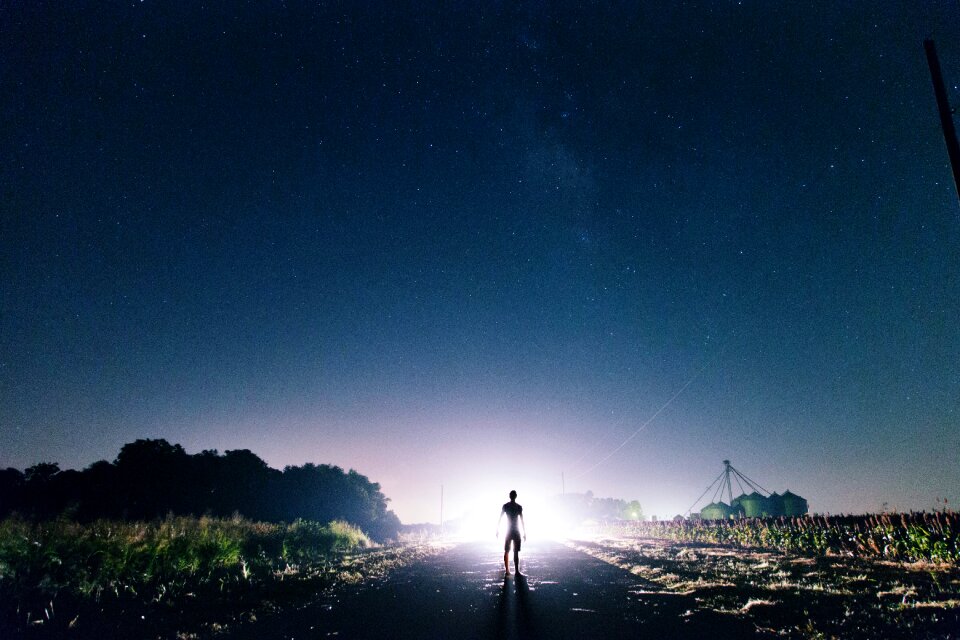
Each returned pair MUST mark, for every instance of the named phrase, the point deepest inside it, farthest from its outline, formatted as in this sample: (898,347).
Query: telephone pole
(946,113)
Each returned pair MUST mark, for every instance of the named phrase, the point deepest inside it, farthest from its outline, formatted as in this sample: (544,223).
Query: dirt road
(464,594)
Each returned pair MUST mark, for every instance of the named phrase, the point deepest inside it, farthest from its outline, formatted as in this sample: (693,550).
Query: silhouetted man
(514,513)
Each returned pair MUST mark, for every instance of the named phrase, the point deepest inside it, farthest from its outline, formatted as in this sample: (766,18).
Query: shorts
(515,537)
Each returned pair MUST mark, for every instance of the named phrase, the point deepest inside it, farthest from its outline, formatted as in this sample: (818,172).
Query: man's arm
(523,522)
(499,520)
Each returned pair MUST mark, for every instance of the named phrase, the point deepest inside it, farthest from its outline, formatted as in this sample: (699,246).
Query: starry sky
(481,245)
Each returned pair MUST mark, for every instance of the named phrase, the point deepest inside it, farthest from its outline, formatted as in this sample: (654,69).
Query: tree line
(577,507)
(152,478)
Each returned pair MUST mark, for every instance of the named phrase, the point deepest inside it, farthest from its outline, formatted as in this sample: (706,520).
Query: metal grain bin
(716,511)
(793,505)
(736,508)
(774,505)
(753,505)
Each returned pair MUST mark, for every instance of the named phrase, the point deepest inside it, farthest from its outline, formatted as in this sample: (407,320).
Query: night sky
(481,246)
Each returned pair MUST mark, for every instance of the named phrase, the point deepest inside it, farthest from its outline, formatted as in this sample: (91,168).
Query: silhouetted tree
(40,494)
(577,507)
(41,473)
(154,478)
(11,491)
(99,496)
(632,511)
(151,478)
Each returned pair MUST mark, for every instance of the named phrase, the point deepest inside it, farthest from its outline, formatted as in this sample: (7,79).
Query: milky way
(482,246)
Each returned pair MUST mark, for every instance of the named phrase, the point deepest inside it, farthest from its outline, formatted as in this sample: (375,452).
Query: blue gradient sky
(481,246)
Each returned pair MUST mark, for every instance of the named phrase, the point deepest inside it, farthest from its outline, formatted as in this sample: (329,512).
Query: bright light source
(477,525)
(479,512)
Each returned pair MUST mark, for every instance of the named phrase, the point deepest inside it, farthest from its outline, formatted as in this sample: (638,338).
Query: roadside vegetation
(910,537)
(153,544)
(151,478)
(873,576)
(183,576)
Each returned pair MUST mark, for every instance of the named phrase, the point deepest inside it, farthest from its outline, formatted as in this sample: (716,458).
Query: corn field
(904,537)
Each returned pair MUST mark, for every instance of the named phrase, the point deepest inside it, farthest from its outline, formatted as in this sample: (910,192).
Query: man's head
(513,495)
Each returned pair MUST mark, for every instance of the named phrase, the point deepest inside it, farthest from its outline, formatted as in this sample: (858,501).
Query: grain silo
(753,505)
(793,505)
(738,507)
(716,511)
(760,503)
(774,505)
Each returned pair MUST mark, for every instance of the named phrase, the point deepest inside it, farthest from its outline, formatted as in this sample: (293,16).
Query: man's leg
(516,558)
(506,557)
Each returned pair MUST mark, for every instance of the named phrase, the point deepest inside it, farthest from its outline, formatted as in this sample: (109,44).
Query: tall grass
(918,536)
(41,562)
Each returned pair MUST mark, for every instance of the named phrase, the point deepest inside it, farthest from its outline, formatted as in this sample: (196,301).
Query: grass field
(179,576)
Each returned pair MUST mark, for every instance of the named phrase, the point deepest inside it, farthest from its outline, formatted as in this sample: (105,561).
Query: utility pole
(946,113)
(726,470)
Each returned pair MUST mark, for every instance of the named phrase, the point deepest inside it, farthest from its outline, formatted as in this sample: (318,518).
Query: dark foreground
(463,594)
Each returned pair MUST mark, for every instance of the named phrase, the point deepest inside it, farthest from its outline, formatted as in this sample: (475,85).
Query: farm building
(793,505)
(716,511)
(759,503)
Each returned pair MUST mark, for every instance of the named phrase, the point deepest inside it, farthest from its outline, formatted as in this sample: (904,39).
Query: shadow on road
(462,594)
(514,609)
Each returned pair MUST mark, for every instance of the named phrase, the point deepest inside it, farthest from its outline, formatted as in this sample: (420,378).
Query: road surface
(463,594)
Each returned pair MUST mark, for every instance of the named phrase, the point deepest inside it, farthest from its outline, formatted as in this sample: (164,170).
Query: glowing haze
(479,248)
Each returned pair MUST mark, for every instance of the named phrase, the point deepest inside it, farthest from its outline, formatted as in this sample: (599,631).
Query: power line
(642,427)
(705,491)
(583,455)
(650,419)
